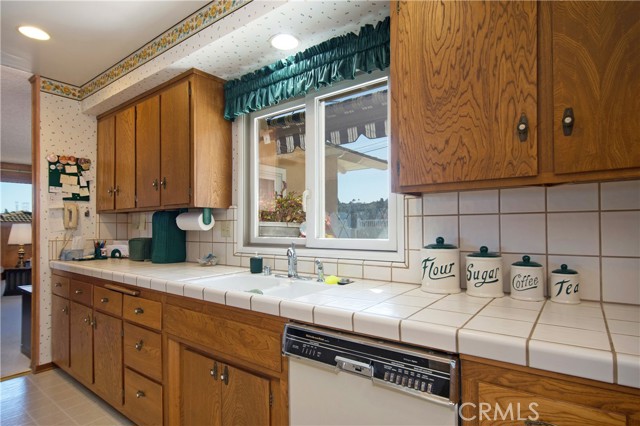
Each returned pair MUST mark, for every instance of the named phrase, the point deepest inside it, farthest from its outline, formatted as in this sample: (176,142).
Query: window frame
(392,249)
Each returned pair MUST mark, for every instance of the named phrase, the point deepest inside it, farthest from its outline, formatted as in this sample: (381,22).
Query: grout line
(535,324)
(600,246)
(614,354)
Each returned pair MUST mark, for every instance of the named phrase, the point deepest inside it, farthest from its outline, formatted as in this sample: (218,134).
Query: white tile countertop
(599,341)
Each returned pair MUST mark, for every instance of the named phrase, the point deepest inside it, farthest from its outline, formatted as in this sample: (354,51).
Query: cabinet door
(60,331)
(105,169)
(462,74)
(200,385)
(107,352)
(148,152)
(596,72)
(245,398)
(81,342)
(125,159)
(175,138)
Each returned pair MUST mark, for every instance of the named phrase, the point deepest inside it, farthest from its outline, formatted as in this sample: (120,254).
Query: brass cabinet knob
(138,311)
(138,345)
(104,300)
(140,394)
(78,291)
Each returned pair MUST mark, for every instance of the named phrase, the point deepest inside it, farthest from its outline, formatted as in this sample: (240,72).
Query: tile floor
(53,398)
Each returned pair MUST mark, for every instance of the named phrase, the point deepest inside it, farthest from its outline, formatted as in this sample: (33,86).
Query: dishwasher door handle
(355,367)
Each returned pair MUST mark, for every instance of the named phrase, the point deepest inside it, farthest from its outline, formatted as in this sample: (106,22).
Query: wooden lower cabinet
(215,393)
(107,357)
(495,394)
(81,342)
(60,331)
(142,399)
(224,366)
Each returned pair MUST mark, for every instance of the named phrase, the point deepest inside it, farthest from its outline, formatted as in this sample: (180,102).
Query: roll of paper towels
(193,221)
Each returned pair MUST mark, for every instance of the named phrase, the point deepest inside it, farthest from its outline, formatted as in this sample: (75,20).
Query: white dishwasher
(341,379)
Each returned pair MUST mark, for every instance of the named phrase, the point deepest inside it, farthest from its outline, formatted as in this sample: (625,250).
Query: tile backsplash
(594,228)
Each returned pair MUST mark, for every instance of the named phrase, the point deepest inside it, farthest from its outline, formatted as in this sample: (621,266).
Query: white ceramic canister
(484,274)
(527,280)
(564,285)
(440,268)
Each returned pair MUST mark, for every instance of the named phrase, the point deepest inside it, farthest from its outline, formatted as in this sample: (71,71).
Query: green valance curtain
(331,61)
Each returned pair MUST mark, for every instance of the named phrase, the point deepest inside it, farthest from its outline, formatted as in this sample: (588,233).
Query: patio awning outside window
(347,121)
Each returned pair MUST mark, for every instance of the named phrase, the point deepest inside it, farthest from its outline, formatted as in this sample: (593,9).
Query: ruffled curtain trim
(334,60)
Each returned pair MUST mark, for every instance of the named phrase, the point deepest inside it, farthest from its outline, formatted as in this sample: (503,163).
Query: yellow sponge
(331,279)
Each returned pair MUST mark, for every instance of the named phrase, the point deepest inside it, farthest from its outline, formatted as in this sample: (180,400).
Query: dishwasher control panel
(423,373)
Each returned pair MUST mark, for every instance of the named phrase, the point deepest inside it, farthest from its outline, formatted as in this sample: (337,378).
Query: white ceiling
(88,37)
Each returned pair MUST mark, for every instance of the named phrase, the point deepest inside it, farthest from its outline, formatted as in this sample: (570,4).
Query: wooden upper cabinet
(148,152)
(125,165)
(175,140)
(596,73)
(105,169)
(462,76)
(170,148)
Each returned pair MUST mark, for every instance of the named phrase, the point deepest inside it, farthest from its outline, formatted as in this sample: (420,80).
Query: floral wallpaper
(180,32)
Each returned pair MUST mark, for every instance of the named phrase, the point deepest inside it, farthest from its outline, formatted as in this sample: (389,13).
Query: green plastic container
(169,243)
(140,249)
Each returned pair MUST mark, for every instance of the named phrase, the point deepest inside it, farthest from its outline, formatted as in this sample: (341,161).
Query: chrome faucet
(320,267)
(292,262)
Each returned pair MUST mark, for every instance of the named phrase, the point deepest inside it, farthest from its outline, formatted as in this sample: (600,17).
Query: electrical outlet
(225,228)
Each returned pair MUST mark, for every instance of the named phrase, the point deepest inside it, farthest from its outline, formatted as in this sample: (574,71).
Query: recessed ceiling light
(284,41)
(33,32)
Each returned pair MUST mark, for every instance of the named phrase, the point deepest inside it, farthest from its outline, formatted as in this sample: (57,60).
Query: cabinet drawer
(80,292)
(143,311)
(143,351)
(543,409)
(142,399)
(60,286)
(107,301)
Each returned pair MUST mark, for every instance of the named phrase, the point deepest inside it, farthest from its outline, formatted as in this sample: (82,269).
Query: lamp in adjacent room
(19,236)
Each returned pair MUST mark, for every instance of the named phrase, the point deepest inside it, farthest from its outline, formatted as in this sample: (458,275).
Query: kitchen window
(319,171)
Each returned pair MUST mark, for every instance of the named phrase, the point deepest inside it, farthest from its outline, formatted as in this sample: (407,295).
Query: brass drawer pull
(138,311)
(140,394)
(79,291)
(65,310)
(104,300)
(139,344)
(58,284)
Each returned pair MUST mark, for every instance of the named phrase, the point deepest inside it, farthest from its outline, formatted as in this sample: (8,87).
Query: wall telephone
(70,216)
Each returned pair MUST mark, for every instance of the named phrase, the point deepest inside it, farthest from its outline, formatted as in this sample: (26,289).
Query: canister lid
(484,252)
(440,244)
(526,261)
(564,269)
